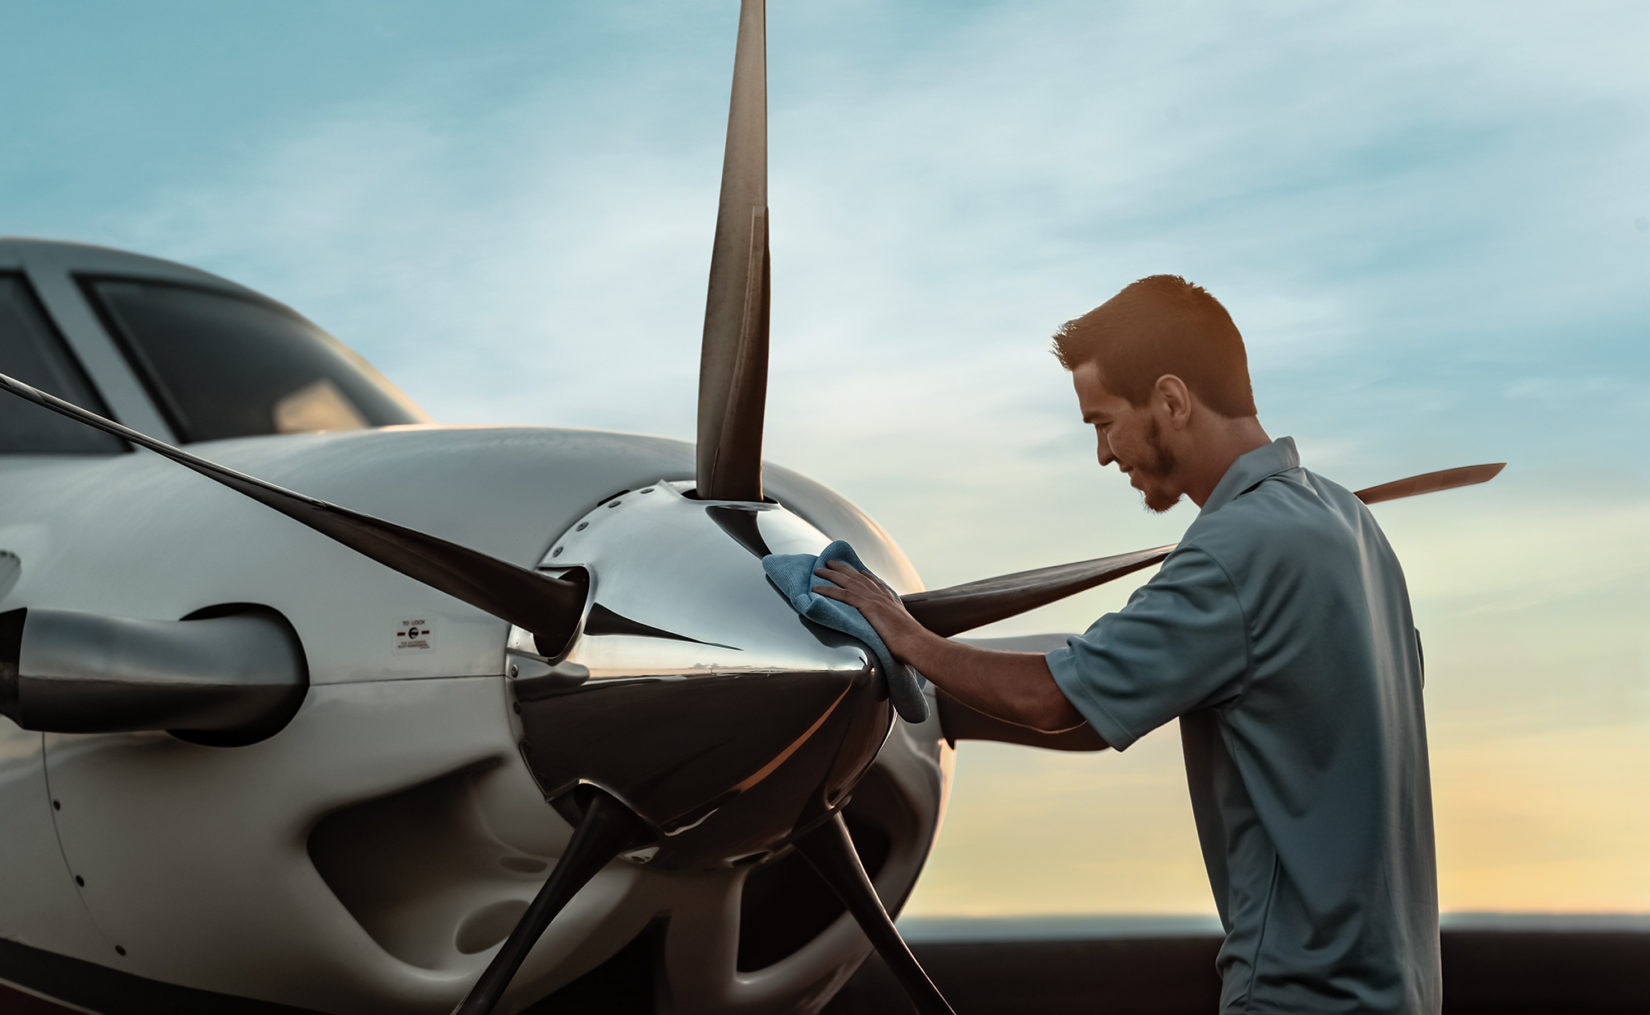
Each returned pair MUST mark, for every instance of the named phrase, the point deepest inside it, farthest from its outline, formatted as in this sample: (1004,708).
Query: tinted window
(220,364)
(32,352)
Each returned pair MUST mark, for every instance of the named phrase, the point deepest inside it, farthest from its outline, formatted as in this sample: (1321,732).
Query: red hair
(1160,325)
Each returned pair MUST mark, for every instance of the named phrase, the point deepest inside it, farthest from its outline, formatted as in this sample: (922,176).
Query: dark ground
(1492,966)
(1539,968)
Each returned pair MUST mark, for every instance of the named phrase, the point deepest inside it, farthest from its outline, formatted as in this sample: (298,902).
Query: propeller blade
(1042,644)
(606,830)
(961,608)
(1431,482)
(830,851)
(549,607)
(733,360)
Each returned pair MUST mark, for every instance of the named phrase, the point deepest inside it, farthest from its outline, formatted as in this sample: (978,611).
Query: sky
(1432,226)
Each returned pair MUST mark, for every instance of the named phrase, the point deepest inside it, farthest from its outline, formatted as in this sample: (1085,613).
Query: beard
(1153,471)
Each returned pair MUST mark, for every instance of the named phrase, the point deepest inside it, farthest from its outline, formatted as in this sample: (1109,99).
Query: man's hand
(1014,686)
(876,602)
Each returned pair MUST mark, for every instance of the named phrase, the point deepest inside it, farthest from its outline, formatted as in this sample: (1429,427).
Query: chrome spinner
(693,693)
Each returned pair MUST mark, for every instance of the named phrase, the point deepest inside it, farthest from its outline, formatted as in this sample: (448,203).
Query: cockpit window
(32,352)
(223,364)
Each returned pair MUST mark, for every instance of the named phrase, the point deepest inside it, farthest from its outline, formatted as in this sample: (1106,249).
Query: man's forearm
(1013,686)
(1016,686)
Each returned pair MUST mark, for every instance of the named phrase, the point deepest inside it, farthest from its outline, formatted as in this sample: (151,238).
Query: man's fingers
(842,574)
(850,585)
(837,578)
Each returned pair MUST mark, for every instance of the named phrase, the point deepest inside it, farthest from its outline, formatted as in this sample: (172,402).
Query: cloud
(1372,192)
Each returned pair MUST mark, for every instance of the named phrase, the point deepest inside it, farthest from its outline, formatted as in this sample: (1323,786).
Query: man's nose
(1103,452)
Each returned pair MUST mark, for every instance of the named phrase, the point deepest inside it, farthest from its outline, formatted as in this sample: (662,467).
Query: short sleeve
(1179,645)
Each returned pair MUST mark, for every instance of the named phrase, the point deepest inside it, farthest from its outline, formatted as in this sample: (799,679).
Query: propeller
(733,382)
(829,850)
(733,359)
(607,829)
(1431,482)
(974,604)
(548,607)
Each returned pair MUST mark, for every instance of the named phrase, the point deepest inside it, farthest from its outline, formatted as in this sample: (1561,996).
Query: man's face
(1130,436)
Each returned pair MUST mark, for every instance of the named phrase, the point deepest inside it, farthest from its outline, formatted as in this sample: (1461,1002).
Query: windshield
(32,352)
(220,364)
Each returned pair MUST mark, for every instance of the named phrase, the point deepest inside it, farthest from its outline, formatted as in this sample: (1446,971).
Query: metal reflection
(745,728)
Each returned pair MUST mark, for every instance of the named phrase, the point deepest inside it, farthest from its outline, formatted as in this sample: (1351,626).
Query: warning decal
(416,635)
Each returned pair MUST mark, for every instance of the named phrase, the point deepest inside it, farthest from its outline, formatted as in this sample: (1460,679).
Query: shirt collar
(1252,467)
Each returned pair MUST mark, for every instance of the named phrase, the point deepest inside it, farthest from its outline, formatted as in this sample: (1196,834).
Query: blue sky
(1432,225)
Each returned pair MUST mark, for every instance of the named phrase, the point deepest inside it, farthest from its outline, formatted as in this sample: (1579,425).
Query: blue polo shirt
(1279,633)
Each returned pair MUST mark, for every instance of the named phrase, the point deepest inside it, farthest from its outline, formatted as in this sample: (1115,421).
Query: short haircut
(1160,325)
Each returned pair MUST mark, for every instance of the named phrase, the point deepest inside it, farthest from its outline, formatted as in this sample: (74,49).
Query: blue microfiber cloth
(793,574)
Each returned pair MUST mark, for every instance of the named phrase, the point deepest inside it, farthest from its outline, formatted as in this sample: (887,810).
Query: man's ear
(1171,397)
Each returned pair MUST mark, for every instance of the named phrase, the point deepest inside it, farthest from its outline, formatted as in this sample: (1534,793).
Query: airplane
(547,718)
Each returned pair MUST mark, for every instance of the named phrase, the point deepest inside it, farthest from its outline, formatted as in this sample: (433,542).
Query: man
(1278,632)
